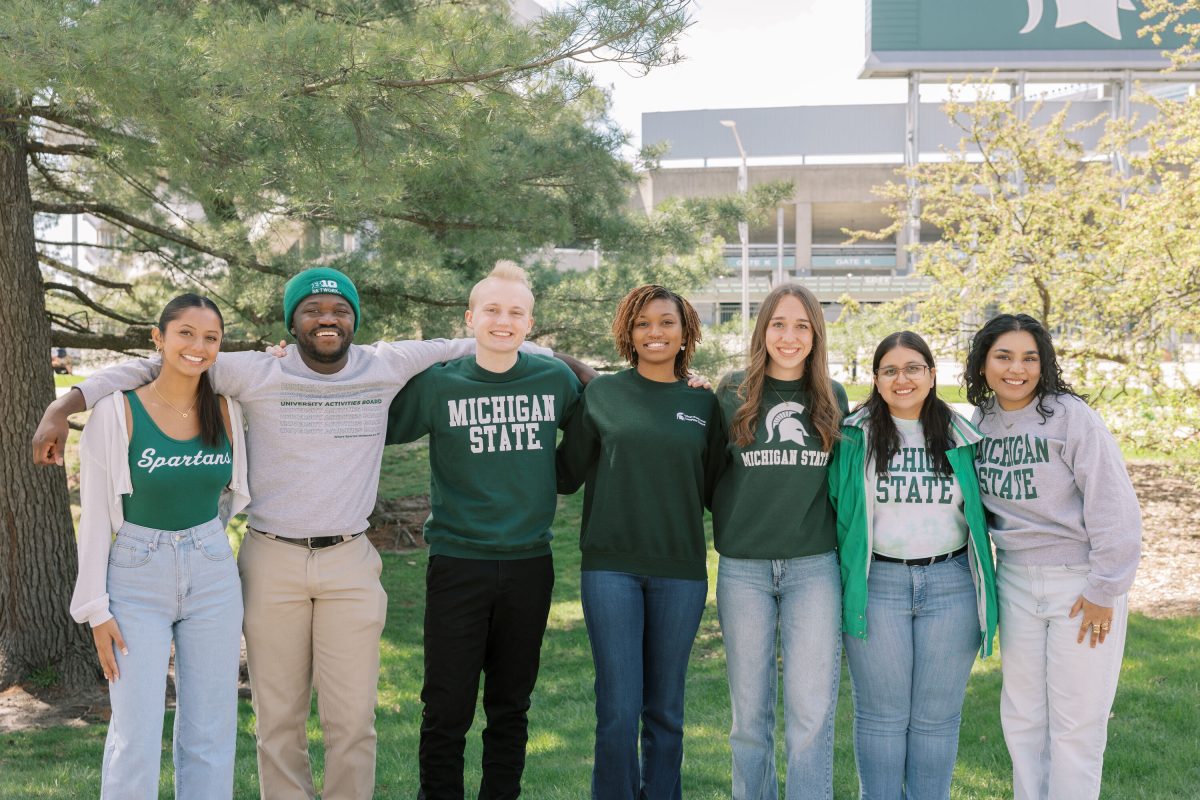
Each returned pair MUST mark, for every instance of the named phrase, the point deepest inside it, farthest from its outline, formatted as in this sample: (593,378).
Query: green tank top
(177,483)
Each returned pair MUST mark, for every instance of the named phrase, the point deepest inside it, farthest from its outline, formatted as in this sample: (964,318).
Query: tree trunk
(37,538)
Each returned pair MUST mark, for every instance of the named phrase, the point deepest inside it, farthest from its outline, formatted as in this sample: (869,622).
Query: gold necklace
(184,414)
(791,393)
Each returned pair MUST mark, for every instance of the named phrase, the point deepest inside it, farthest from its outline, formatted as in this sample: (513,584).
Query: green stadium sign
(906,35)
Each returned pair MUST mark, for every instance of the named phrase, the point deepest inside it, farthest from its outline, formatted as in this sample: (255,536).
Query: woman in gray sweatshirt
(1067,528)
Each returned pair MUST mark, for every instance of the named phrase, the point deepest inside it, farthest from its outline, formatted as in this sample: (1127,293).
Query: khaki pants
(313,619)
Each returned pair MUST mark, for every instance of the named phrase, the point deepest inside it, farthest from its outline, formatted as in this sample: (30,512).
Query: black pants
(480,616)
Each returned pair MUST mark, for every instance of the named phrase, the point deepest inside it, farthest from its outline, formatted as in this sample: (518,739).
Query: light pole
(744,233)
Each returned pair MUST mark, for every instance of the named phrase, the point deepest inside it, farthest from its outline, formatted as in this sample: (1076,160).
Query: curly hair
(824,411)
(631,306)
(1050,381)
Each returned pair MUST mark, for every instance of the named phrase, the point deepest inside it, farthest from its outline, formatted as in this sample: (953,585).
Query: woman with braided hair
(648,445)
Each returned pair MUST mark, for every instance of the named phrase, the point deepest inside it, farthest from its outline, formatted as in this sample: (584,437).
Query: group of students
(871,531)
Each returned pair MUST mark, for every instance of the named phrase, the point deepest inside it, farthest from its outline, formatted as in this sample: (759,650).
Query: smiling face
(657,339)
(190,342)
(324,328)
(903,392)
(501,315)
(788,338)
(1013,369)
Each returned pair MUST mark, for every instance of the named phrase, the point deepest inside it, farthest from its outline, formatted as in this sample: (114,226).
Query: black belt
(314,542)
(920,562)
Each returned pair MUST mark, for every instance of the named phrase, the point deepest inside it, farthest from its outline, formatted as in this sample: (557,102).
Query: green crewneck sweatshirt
(491,452)
(650,453)
(773,500)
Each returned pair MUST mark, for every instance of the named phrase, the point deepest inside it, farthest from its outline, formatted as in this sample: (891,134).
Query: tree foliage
(1102,245)
(227,144)
(232,144)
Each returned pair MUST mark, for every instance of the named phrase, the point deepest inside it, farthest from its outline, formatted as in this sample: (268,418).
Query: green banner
(964,25)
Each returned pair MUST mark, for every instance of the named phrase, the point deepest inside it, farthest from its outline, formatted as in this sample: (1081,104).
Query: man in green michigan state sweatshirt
(492,422)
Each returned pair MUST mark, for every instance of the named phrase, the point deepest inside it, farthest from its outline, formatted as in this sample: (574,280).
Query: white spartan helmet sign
(785,419)
(1100,14)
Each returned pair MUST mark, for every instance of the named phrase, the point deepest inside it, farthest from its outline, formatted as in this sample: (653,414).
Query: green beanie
(319,280)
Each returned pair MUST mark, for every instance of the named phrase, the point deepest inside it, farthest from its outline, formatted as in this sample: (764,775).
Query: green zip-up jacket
(854,504)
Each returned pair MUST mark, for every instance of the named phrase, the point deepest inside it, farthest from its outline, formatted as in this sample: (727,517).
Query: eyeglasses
(910,371)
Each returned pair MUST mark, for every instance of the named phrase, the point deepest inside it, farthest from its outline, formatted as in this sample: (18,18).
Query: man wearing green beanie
(321,309)
(314,607)
(319,280)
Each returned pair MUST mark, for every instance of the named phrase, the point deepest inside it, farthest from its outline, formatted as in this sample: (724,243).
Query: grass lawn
(1152,735)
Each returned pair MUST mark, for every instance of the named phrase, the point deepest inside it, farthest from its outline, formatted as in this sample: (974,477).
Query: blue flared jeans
(641,630)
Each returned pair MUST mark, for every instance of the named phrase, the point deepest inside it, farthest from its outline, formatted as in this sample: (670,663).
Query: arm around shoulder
(50,438)
(578,450)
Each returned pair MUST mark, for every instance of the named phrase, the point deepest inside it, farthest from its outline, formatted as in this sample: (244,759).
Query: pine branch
(513,70)
(85,150)
(114,214)
(61,266)
(66,288)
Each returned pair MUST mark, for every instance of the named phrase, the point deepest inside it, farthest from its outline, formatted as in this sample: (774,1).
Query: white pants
(1057,692)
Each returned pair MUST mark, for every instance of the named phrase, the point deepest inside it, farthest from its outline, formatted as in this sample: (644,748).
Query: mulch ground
(1167,585)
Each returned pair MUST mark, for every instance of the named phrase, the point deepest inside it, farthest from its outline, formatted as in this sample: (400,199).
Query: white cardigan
(104,478)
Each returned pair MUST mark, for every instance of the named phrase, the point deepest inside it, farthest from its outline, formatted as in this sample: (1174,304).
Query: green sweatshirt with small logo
(773,500)
(650,454)
(491,452)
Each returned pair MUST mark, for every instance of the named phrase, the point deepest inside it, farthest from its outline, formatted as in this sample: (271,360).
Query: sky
(756,53)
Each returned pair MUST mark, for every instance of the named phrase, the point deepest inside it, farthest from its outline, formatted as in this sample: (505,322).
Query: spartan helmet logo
(1100,14)
(784,419)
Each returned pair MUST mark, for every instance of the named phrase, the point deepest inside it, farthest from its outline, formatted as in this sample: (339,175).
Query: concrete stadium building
(1085,55)
(834,156)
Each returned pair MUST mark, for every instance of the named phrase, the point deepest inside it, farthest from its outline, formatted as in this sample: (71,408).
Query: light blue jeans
(801,598)
(910,677)
(641,629)
(181,586)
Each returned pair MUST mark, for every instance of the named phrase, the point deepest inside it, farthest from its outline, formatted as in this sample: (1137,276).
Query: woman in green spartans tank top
(162,469)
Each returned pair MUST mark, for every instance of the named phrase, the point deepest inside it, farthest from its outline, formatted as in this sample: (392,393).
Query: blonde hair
(823,407)
(504,270)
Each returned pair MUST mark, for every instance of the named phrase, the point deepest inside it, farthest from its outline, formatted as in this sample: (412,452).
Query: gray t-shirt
(1057,493)
(313,442)
(918,511)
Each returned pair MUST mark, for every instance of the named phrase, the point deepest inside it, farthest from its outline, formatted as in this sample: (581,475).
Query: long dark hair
(824,412)
(1050,381)
(208,407)
(627,312)
(883,440)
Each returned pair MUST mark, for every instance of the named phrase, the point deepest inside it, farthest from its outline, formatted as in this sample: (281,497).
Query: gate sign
(978,36)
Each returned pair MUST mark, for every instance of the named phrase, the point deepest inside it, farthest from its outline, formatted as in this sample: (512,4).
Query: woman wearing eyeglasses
(918,583)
